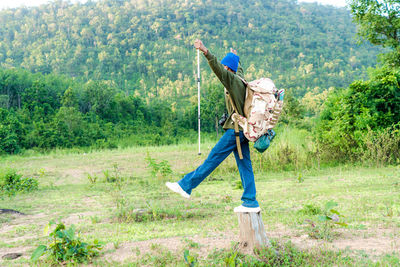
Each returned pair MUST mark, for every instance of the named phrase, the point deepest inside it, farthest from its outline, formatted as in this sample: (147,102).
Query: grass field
(114,197)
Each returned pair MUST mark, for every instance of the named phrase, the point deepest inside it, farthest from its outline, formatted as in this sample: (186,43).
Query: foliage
(146,46)
(11,182)
(379,23)
(129,214)
(93,114)
(189,259)
(327,219)
(109,70)
(279,254)
(65,246)
(350,114)
(113,176)
(162,167)
(237,184)
(92,178)
(382,146)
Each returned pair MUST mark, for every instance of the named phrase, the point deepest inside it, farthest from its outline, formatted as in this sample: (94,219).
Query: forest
(87,75)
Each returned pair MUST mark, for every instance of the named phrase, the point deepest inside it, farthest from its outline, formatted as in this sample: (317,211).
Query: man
(227,72)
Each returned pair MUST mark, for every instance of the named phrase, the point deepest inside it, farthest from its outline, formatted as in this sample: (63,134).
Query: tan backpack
(262,107)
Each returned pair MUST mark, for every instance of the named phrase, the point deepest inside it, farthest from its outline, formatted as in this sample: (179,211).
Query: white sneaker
(246,209)
(177,189)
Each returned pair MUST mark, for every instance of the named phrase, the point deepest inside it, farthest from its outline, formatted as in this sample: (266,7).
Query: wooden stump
(252,233)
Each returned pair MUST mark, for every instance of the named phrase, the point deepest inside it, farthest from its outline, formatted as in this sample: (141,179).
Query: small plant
(65,246)
(237,184)
(230,260)
(163,167)
(189,259)
(300,177)
(310,209)
(11,182)
(227,199)
(191,243)
(95,219)
(41,172)
(323,229)
(92,178)
(113,176)
(117,244)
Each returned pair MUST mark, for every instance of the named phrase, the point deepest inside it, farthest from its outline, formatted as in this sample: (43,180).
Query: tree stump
(252,233)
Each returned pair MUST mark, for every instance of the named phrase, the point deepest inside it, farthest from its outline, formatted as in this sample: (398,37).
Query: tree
(379,23)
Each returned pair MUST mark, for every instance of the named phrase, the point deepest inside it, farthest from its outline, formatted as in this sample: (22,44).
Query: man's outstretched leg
(221,150)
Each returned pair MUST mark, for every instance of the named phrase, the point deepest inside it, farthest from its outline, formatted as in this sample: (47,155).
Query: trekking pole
(198,93)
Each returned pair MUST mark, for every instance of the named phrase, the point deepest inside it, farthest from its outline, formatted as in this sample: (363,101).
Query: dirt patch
(78,218)
(374,242)
(203,246)
(20,220)
(377,242)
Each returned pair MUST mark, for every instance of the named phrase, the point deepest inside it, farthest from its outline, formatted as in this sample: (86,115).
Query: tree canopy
(379,23)
(146,46)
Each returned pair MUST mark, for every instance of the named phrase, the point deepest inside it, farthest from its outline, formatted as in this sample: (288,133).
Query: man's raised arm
(222,74)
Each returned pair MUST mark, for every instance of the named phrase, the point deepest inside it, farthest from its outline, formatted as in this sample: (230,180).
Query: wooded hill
(146,46)
(99,73)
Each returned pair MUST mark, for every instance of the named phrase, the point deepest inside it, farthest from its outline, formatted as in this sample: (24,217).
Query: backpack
(262,107)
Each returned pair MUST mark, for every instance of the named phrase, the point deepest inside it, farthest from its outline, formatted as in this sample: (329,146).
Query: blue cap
(231,60)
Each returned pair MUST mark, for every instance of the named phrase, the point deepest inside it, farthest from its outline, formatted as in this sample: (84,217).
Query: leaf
(330,205)
(46,229)
(70,233)
(335,212)
(342,224)
(323,218)
(185,255)
(60,234)
(39,251)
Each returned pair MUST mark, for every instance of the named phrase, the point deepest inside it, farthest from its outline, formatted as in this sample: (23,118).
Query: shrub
(351,114)
(65,246)
(328,218)
(382,147)
(11,182)
(162,167)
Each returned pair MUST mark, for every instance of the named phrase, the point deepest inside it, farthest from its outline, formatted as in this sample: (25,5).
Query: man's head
(231,62)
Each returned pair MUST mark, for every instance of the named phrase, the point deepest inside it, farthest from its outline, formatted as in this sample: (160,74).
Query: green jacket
(233,85)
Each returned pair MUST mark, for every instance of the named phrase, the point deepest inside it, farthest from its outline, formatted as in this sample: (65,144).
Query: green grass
(368,198)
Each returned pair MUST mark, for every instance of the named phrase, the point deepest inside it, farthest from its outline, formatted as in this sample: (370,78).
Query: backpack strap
(243,80)
(239,148)
(235,123)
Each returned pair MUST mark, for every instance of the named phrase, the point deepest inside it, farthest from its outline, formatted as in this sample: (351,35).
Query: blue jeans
(221,150)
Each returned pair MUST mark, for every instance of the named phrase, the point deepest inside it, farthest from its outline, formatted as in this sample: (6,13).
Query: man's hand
(198,44)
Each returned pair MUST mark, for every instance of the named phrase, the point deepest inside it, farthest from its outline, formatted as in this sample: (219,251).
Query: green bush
(354,120)
(11,182)
(65,246)
(382,147)
(162,167)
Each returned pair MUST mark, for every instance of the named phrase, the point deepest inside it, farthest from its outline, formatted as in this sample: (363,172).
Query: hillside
(146,46)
